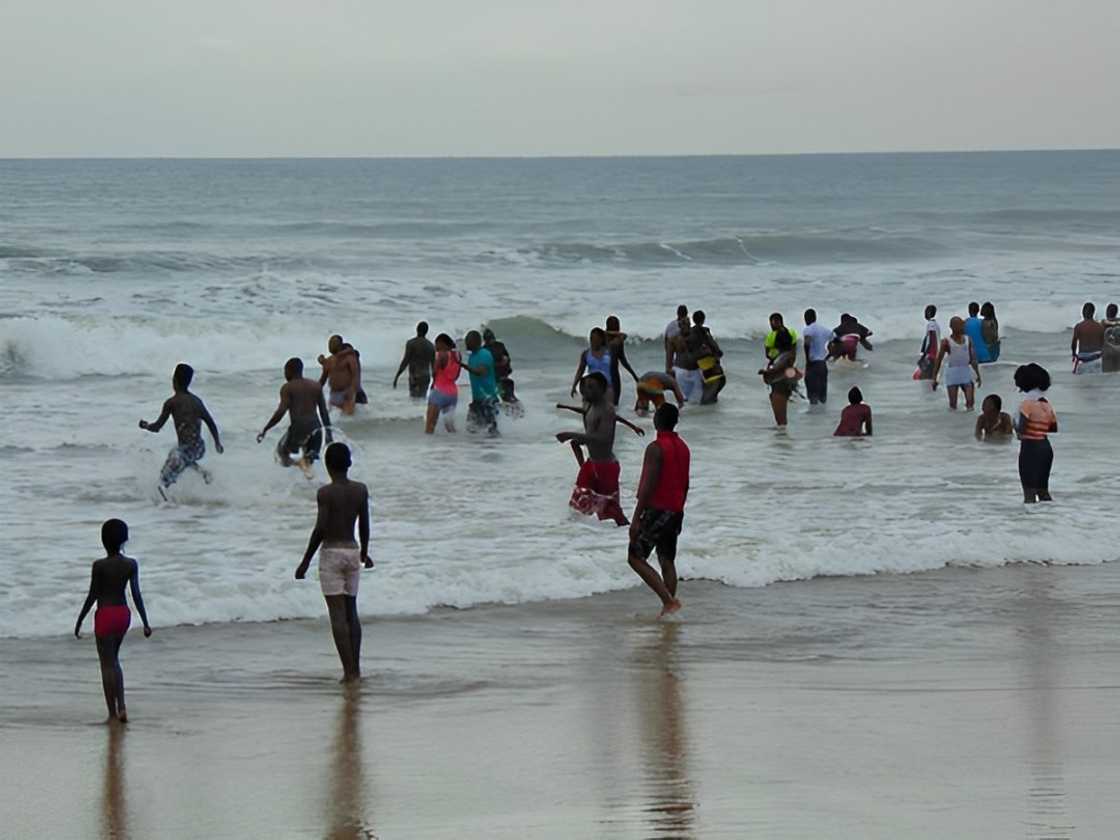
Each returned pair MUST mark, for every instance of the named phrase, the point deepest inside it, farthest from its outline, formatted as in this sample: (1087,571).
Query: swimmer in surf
(419,356)
(597,488)
(302,400)
(108,579)
(850,336)
(1087,345)
(342,503)
(993,424)
(189,413)
(659,511)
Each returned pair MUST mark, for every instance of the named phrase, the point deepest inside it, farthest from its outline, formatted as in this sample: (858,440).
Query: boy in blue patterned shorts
(189,414)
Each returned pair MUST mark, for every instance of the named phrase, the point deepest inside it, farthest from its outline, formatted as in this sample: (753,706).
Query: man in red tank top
(659,513)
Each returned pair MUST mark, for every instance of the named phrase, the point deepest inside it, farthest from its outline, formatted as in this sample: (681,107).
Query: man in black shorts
(302,400)
(659,513)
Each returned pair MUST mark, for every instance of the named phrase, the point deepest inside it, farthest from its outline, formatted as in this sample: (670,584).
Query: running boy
(189,414)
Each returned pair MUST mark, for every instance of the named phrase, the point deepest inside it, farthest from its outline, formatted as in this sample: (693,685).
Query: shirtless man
(341,503)
(672,331)
(651,388)
(1087,345)
(597,490)
(1110,360)
(419,356)
(343,371)
(189,414)
(302,400)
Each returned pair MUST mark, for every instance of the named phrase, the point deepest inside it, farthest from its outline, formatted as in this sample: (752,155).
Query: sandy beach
(958,703)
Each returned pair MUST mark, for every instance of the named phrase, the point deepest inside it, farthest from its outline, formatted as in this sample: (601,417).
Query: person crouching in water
(993,424)
(444,395)
(1035,422)
(597,488)
(855,419)
(110,576)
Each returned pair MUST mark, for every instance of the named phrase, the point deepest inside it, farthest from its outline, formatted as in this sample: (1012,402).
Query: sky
(263,78)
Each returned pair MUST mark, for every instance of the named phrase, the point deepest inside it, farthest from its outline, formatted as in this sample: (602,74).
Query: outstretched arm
(277,415)
(90,598)
(212,426)
(134,585)
(638,430)
(163,415)
(578,410)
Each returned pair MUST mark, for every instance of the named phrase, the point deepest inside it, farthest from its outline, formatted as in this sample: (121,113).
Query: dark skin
(189,414)
(993,424)
(301,399)
(665,584)
(599,421)
(419,359)
(107,583)
(1088,336)
(341,503)
(342,371)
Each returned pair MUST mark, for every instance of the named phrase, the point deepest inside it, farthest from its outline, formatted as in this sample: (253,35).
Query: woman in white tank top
(962,364)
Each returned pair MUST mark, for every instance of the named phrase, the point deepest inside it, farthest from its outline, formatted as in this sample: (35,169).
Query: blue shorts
(444,402)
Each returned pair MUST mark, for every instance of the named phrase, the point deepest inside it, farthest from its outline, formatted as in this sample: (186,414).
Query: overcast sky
(564,77)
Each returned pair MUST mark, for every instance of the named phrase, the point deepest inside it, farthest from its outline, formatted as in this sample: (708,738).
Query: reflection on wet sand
(1046,797)
(670,804)
(114,808)
(344,797)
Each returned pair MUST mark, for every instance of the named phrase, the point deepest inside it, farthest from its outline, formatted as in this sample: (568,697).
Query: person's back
(1110,360)
(110,578)
(484,386)
(344,500)
(855,419)
(186,412)
(974,329)
(421,353)
(303,399)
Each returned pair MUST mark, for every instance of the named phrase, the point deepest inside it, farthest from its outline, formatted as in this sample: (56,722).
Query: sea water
(111,272)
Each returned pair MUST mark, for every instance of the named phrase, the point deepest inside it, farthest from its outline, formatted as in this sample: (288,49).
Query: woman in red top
(855,419)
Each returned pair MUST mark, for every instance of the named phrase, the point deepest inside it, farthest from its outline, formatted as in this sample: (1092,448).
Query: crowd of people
(693,373)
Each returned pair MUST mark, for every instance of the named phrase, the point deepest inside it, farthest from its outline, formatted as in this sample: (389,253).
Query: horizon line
(606,156)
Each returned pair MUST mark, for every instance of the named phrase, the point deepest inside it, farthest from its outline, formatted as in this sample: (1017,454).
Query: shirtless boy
(302,400)
(189,414)
(341,503)
(597,489)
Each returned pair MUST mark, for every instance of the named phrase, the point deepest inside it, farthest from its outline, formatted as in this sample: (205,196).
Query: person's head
(776,322)
(846,317)
(1112,311)
(114,534)
(597,338)
(855,396)
(682,311)
(973,309)
(181,378)
(488,336)
(593,387)
(1088,311)
(992,405)
(810,316)
(1032,377)
(613,324)
(473,340)
(988,310)
(334,343)
(783,341)
(666,417)
(931,312)
(422,329)
(956,325)
(293,369)
(337,458)
(445,342)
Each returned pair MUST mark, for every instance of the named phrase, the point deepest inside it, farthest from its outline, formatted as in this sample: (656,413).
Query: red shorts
(111,621)
(596,490)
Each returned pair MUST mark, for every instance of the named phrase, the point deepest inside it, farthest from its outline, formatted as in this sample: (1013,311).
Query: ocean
(113,271)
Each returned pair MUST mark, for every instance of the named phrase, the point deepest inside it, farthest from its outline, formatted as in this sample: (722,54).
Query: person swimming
(993,424)
(855,419)
(1036,421)
(108,579)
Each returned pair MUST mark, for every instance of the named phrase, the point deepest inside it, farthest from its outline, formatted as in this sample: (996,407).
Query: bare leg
(112,680)
(430,420)
(969,397)
(780,403)
(654,582)
(952,391)
(355,633)
(668,571)
(340,630)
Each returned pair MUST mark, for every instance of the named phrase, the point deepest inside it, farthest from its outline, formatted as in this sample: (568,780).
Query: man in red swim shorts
(596,491)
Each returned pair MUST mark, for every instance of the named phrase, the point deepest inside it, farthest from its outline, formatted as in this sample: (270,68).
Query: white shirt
(933,327)
(674,329)
(818,338)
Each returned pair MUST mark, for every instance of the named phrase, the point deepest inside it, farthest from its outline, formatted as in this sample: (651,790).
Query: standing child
(855,419)
(106,587)
(1035,422)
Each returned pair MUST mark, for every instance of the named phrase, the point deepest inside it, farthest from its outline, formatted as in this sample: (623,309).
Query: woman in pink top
(855,419)
(444,395)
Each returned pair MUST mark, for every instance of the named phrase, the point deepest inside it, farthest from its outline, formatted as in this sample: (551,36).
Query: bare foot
(305,468)
(122,715)
(670,608)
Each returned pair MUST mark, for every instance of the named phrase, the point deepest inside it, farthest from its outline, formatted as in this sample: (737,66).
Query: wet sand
(958,703)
